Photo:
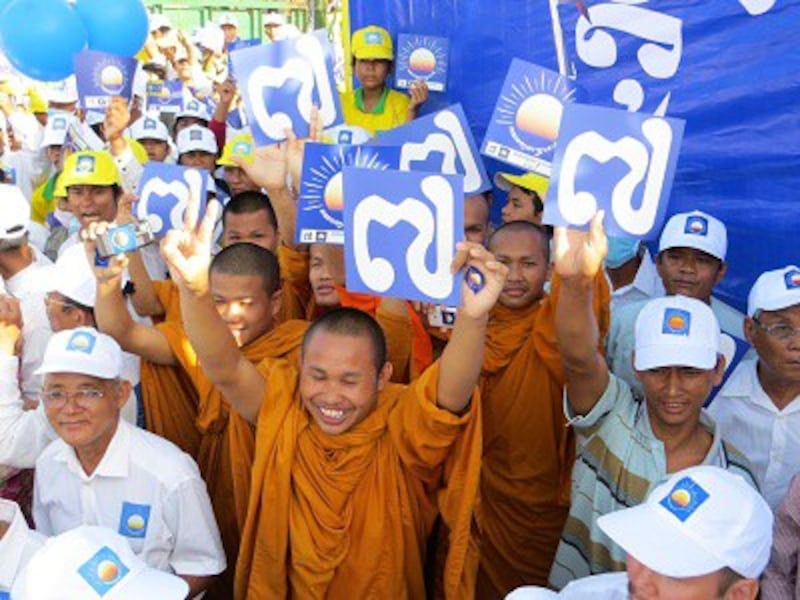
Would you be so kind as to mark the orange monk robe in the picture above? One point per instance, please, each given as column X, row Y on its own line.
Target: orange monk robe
column 348, row 516
column 528, row 450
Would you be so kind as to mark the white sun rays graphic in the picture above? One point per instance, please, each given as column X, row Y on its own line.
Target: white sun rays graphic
column 532, row 110
column 109, row 76
column 425, row 56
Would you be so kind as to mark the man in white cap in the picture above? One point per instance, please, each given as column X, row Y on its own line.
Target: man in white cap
column 704, row 533
column 103, row 471
column 193, row 112
column 759, row 406
column 276, row 28
column 94, row 562
column 160, row 25
column 17, row 544
column 230, row 27
column 197, row 147
column 690, row 262
column 625, row 445
column 153, row 135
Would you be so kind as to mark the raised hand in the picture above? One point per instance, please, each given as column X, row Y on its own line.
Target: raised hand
column 296, row 147
column 418, row 90
column 478, row 304
column 117, row 119
column 187, row 251
column 10, row 325
column 579, row 254
column 111, row 273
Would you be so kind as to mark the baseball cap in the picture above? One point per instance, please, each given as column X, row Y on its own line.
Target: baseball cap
column 532, row 182
column 774, row 290
column 347, row 134
column 62, row 92
column 240, row 145
column 15, row 217
column 676, row 331
column 158, row 20
column 197, row 137
column 697, row 230
column 89, row 167
column 72, row 277
column 372, row 43
column 212, row 38
column 94, row 117
column 149, row 128
column 37, row 103
column 93, row 562
column 704, row 518
column 55, row 132
column 194, row 108
column 83, row 350
column 227, row 19
column 273, row 18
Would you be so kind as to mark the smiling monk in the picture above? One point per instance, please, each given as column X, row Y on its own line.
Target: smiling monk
column 349, row 467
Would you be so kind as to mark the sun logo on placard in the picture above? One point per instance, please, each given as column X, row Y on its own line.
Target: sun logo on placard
column 109, row 77
column 323, row 191
column 425, row 57
column 532, row 111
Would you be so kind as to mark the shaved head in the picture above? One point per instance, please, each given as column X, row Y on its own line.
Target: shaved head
column 522, row 227
column 249, row 260
column 351, row 322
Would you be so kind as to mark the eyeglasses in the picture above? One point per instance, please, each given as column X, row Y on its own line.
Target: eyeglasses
column 781, row 331
column 57, row 399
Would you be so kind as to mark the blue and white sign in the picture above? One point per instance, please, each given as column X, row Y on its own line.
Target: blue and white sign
column 281, row 82
column 440, row 143
column 400, row 234
column 614, row 160
column 164, row 193
column 238, row 45
column 101, row 76
column 320, row 208
column 422, row 57
column 165, row 96
column 734, row 349
column 525, row 123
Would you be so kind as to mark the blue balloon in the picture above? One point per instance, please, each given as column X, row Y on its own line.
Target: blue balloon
column 114, row 26
column 39, row 37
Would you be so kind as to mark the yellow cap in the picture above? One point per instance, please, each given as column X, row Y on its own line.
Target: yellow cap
column 59, row 191
column 94, row 167
column 242, row 146
column 139, row 153
column 372, row 43
column 37, row 103
column 533, row 182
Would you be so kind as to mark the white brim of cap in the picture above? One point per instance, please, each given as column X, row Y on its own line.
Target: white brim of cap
column 82, row 367
column 655, row 356
column 777, row 302
column 646, row 534
column 151, row 583
column 196, row 147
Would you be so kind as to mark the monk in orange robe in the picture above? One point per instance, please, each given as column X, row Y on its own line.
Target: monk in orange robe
column 350, row 469
column 244, row 284
column 528, row 450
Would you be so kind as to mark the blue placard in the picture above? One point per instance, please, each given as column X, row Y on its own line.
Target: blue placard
column 164, row 192
column 422, row 57
column 440, row 143
column 524, row 126
column 734, row 350
column 101, row 76
column 281, row 82
column 238, row 45
column 165, row 96
column 320, row 215
column 401, row 232
column 614, row 160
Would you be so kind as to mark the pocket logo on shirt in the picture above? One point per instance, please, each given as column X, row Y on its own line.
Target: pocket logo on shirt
column 134, row 520
column 103, row 571
column 684, row 499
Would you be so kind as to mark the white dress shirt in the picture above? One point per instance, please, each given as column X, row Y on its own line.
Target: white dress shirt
column 645, row 286
column 16, row 546
column 144, row 488
column 768, row 437
column 608, row 586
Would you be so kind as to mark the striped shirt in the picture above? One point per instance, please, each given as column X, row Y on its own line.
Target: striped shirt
column 619, row 460
column 780, row 580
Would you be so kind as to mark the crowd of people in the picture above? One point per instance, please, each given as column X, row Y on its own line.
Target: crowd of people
column 218, row 416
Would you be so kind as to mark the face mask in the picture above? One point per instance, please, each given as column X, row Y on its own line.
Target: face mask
column 620, row 251
column 74, row 225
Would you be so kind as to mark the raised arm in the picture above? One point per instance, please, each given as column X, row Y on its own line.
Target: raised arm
column 578, row 258
column 463, row 356
column 187, row 252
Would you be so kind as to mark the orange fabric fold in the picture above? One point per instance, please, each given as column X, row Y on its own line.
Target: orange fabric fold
column 348, row 516
column 528, row 450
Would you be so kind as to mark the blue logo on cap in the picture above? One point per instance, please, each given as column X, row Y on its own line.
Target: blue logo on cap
column 373, row 37
column 134, row 519
column 676, row 321
column 193, row 105
column 11, row 176
column 149, row 124
column 792, row 279
column 59, row 124
column 684, row 499
column 81, row 341
column 103, row 571
column 345, row 137
column 696, row 225
column 195, row 135
column 85, row 165
column 241, row 149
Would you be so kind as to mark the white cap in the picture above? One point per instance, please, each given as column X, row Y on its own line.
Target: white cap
column 62, row 92
column 273, row 18
column 347, row 134
column 94, row 117
column 211, row 37
column 701, row 520
column 227, row 19
column 192, row 107
column 15, row 215
column 72, row 277
column 55, row 132
column 197, row 137
column 695, row 230
column 149, row 128
column 83, row 350
column 158, row 20
column 676, row 331
column 93, row 562
column 775, row 290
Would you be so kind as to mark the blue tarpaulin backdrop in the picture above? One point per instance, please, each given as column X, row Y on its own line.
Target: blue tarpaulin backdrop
column 730, row 68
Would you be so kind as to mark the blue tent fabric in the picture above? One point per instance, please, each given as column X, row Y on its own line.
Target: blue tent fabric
column 731, row 69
